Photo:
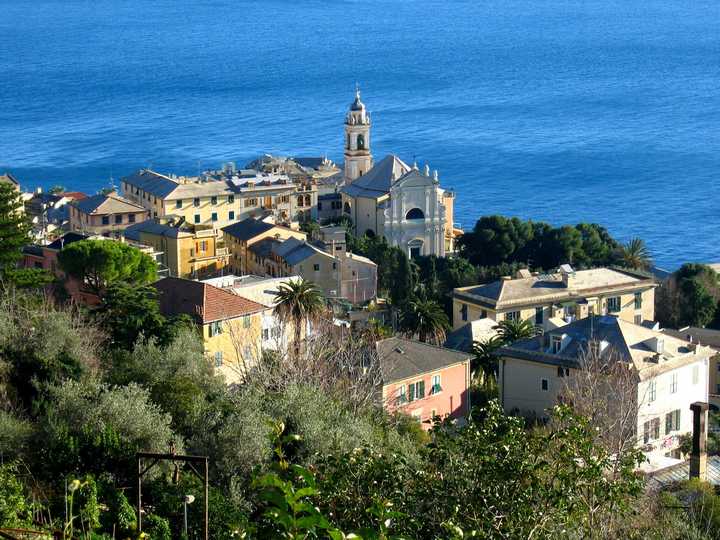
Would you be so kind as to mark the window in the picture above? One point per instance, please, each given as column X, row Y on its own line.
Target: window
column 334, row 266
column 674, row 383
column 231, row 215
column 651, row 430
column 638, row 300
column 218, row 359
column 178, row 203
column 613, row 304
column 118, row 219
column 415, row 252
column 316, row 267
column 638, row 319
column 196, row 202
column 695, row 374
column 538, row 315
column 544, row 385
column 416, row 390
column 672, row 421
column 250, row 202
column 246, row 321
column 300, row 200
column 106, row 220
column 435, row 387
column 231, row 199
column 285, row 199
column 556, row 344
column 652, row 391
column 512, row 316
column 131, row 218
column 201, row 246
column 213, row 200
column 215, row 328
column 319, row 206
column 483, row 314
column 197, row 218
column 401, row 395
column 265, row 334
column 214, row 216
column 464, row 312
column 415, row 213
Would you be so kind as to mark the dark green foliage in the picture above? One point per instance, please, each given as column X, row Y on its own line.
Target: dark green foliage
column 690, row 297
column 510, row 331
column 14, row 227
column 496, row 240
column 128, row 312
column 297, row 302
column 101, row 263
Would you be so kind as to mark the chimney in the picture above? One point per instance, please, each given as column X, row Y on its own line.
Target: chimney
column 698, row 456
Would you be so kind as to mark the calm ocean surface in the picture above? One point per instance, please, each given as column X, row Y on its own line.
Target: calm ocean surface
column 563, row 111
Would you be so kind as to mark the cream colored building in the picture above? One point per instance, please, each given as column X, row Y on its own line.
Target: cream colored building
column 231, row 326
column 670, row 374
column 218, row 202
column 187, row 250
column 551, row 300
column 404, row 204
column 106, row 215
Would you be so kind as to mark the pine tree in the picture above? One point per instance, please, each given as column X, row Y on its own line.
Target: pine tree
column 14, row 228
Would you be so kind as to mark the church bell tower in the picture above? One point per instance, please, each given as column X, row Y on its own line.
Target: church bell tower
column 358, row 159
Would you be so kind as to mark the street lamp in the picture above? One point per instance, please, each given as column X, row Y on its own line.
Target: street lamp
column 189, row 499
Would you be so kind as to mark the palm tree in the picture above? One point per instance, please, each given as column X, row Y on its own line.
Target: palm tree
column 635, row 255
column 426, row 319
column 510, row 331
column 298, row 301
column 486, row 356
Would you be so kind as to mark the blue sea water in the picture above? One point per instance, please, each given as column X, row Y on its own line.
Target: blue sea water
column 562, row 111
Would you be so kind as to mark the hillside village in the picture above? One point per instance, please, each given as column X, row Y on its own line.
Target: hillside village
column 354, row 276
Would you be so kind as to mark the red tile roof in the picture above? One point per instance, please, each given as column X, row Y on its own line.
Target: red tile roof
column 75, row 195
column 201, row 301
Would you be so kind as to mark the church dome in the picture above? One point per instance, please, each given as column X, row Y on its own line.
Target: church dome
column 357, row 105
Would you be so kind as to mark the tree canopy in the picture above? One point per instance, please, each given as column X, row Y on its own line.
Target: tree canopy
column 101, row 263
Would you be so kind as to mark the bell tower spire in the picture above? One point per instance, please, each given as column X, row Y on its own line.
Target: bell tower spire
column 358, row 159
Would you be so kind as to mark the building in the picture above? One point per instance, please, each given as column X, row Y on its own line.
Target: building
column 424, row 381
column 710, row 338
column 186, row 250
column 550, row 300
column 7, row 178
column 343, row 275
column 218, row 198
column 49, row 213
column 105, row 215
column 405, row 205
column 231, row 326
column 670, row 374
column 276, row 334
column 239, row 237
column 329, row 207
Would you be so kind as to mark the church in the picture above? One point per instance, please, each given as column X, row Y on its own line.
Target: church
column 392, row 199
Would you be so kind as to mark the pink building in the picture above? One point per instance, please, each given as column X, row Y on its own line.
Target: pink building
column 424, row 381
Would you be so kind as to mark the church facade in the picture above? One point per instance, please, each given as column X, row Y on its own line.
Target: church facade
column 392, row 199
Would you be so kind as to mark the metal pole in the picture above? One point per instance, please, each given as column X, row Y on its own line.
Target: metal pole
column 185, row 516
column 139, row 495
column 207, row 493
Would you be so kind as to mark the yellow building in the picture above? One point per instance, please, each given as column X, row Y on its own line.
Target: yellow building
column 216, row 202
column 239, row 237
column 550, row 300
column 231, row 326
column 187, row 250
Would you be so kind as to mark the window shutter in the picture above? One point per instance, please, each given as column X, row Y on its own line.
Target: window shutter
column 668, row 423
column 411, row 391
column 421, row 389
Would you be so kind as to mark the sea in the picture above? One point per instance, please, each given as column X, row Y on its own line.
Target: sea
column 563, row 111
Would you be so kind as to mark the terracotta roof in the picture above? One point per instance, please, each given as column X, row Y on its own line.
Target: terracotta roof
column 75, row 195
column 201, row 301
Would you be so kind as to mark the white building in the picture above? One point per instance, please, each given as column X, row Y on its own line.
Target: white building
column 404, row 204
column 671, row 374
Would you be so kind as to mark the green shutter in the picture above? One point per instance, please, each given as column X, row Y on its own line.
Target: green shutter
column 411, row 392
column 668, row 423
column 421, row 389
